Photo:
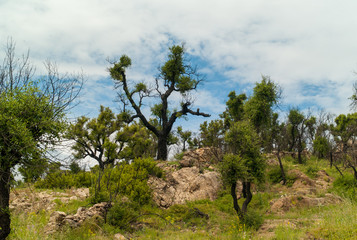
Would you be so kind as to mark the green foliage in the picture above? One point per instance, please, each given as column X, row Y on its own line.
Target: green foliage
column 244, row 141
column 138, row 140
column 63, row 179
column 121, row 214
column 93, row 137
column 125, row 179
column 26, row 116
column 234, row 111
column 212, row 134
column 32, row 171
column 74, row 167
column 258, row 108
column 321, row 146
column 346, row 186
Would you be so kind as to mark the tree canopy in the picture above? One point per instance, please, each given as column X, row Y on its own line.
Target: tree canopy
column 177, row 75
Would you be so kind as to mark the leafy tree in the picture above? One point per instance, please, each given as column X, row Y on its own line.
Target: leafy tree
column 244, row 163
column 175, row 76
column 94, row 137
column 212, row 134
column 27, row 119
column 234, row 111
column 299, row 125
column 185, row 137
column 31, row 118
column 258, row 108
column 138, row 141
column 32, row 171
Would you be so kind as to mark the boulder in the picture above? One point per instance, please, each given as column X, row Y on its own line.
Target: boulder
column 186, row 184
column 202, row 157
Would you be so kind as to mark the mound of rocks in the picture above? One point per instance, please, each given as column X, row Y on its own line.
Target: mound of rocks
column 202, row 157
column 32, row 201
column 59, row 219
column 186, row 184
column 304, row 193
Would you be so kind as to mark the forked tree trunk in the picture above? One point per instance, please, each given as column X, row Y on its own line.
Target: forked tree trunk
column 248, row 196
column 235, row 201
column 4, row 203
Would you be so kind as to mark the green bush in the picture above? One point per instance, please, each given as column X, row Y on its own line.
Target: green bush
column 311, row 171
column 65, row 179
column 253, row 219
column 125, row 179
column 122, row 214
column 346, row 187
column 274, row 174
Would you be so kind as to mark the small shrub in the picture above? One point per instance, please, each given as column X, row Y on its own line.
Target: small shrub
column 274, row 174
column 122, row 214
column 253, row 219
column 345, row 186
column 311, row 171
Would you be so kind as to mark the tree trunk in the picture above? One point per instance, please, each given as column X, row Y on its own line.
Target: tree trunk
column 331, row 160
column 162, row 148
column 281, row 167
column 235, row 201
column 248, row 196
column 4, row 203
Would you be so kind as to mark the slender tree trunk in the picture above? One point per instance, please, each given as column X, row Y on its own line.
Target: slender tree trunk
column 235, row 201
column 281, row 166
column 162, row 148
column 299, row 151
column 4, row 202
column 248, row 196
column 331, row 160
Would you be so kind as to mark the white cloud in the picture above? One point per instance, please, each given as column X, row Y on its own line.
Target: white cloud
column 295, row 42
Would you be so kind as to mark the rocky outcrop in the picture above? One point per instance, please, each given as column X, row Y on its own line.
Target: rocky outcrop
column 32, row 201
column 186, row 184
column 202, row 157
column 305, row 193
column 59, row 219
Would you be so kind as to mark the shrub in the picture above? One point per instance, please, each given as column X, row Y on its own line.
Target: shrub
column 125, row 179
column 345, row 186
column 122, row 214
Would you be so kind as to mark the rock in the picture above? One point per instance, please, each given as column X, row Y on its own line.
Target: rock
column 186, row 184
column 119, row 236
column 202, row 157
column 58, row 219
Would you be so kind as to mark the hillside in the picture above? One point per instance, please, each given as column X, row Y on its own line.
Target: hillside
column 314, row 204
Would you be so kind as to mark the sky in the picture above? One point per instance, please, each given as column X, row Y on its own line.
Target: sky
column 307, row 47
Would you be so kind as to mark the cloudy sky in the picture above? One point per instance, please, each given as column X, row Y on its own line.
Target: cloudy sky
column 308, row 47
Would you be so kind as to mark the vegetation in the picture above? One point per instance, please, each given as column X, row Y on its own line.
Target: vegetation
column 266, row 159
column 176, row 75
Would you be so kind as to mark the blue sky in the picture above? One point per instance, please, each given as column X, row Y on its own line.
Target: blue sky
column 307, row 47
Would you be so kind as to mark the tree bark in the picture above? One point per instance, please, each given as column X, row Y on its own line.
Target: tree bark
column 4, row 202
column 248, row 196
column 162, row 148
column 281, row 166
column 235, row 201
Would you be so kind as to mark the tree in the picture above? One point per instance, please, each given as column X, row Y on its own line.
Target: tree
column 259, row 109
column 94, row 137
column 175, row 76
column 299, row 124
column 212, row 134
column 243, row 163
column 277, row 136
column 32, row 117
column 185, row 137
